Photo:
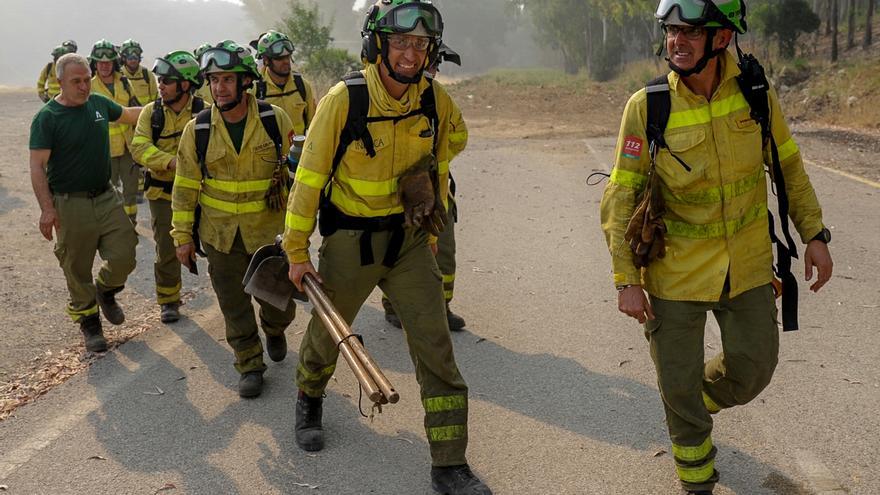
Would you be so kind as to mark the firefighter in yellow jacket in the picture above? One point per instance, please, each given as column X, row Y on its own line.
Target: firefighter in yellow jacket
column 205, row 91
column 370, row 225
column 143, row 82
column 709, row 172
column 155, row 146
column 280, row 85
column 232, row 180
column 109, row 81
column 47, row 84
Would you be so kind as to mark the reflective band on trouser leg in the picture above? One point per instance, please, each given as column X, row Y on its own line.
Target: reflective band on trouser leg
column 446, row 418
column 448, row 286
column 313, row 382
column 711, row 406
column 695, row 464
column 166, row 295
column 77, row 315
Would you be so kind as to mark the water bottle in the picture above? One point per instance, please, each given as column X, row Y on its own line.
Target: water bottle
column 294, row 155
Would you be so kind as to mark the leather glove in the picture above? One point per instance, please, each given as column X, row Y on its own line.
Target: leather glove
column 416, row 191
column 276, row 197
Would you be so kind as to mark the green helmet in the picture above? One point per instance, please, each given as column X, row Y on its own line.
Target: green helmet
column 103, row 51
column 58, row 51
column 228, row 56
column 709, row 13
column 179, row 65
column 131, row 47
column 70, row 46
column 273, row 44
column 201, row 49
column 417, row 17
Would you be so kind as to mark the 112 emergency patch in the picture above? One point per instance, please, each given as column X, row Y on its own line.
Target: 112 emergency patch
column 632, row 147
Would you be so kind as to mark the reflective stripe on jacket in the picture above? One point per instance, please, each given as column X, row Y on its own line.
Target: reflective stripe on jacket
column 716, row 213
column 233, row 197
column 364, row 186
column 120, row 134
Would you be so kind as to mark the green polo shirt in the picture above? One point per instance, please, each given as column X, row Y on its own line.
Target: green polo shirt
column 79, row 139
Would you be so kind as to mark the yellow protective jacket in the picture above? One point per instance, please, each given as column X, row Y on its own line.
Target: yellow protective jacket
column 120, row 134
column 300, row 108
column 47, row 84
column 143, row 84
column 233, row 196
column 205, row 93
column 157, row 156
column 364, row 186
column 716, row 213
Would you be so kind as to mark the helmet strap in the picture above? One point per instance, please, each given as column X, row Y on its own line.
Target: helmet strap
column 239, row 94
column 178, row 95
column 708, row 54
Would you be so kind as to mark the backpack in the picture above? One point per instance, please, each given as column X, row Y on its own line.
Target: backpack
column 203, row 132
column 262, row 88
column 755, row 88
column 157, row 118
column 132, row 99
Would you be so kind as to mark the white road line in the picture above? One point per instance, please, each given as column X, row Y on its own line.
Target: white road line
column 820, row 477
column 844, row 174
column 62, row 423
column 596, row 155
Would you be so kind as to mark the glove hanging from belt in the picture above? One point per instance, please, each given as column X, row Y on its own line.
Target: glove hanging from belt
column 646, row 229
column 276, row 195
column 419, row 189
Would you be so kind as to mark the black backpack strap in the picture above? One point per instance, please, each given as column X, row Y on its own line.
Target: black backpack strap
column 260, row 89
column 157, row 119
column 755, row 88
column 203, row 136
column 132, row 99
column 198, row 105
column 356, row 123
column 301, row 87
column 428, row 107
column 145, row 74
column 659, row 107
column 49, row 69
column 270, row 124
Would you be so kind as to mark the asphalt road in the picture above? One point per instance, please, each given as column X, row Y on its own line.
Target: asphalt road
column 562, row 390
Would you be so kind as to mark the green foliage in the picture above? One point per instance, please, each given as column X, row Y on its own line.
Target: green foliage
column 784, row 20
column 312, row 40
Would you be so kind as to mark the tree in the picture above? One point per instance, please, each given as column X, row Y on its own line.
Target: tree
column 834, row 14
column 869, row 18
column 785, row 20
column 851, row 25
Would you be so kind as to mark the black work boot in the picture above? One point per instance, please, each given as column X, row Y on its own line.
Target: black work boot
column 456, row 323
column 90, row 326
column 276, row 347
column 457, row 480
column 170, row 312
column 111, row 309
column 250, row 384
column 390, row 315
column 309, row 432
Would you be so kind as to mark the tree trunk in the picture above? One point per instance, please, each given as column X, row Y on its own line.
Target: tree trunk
column 828, row 15
column 851, row 25
column 869, row 19
column 834, row 30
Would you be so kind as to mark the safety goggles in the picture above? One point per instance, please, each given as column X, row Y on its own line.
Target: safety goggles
column 104, row 54
column 402, row 42
column 220, row 58
column 280, row 48
column 691, row 11
column 163, row 68
column 405, row 18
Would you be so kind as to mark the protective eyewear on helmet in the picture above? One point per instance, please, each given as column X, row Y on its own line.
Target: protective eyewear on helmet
column 280, row 48
column 691, row 11
column 163, row 68
column 402, row 42
column 406, row 17
column 104, row 53
column 220, row 58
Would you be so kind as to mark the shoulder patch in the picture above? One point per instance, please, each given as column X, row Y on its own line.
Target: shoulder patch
column 632, row 147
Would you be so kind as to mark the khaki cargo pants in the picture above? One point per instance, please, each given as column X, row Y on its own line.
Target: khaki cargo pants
column 92, row 225
column 124, row 173
column 415, row 288
column 166, row 267
column 691, row 389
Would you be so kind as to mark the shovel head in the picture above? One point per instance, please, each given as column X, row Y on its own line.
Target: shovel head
column 269, row 281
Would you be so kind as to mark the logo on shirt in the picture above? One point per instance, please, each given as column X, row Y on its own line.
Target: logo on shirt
column 98, row 116
column 632, row 147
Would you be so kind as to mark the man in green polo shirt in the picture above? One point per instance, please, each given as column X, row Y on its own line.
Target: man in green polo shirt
column 70, row 173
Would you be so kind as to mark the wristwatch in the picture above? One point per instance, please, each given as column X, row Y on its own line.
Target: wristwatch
column 824, row 235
